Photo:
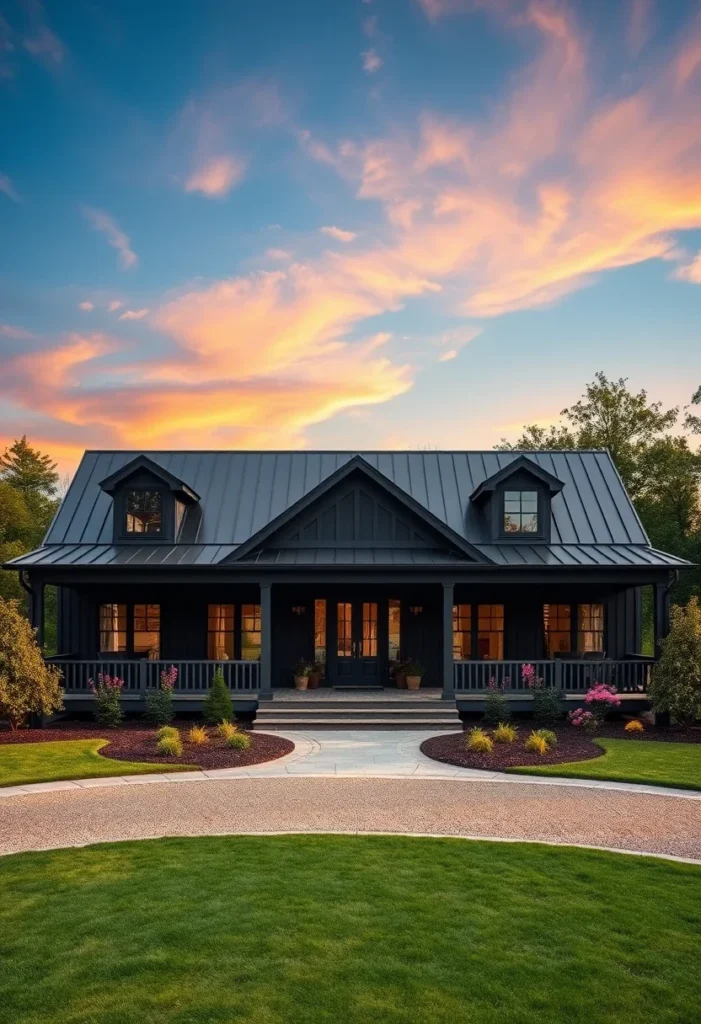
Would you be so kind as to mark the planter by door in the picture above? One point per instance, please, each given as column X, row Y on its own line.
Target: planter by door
column 400, row 680
column 301, row 682
column 413, row 682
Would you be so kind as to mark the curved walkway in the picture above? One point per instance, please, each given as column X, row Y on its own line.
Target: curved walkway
column 353, row 782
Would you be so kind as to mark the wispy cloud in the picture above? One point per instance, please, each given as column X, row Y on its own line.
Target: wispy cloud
column 134, row 314
column 277, row 255
column 86, row 306
column 371, row 61
column 114, row 305
column 15, row 333
column 690, row 271
column 106, row 224
column 338, row 234
column 8, row 188
column 217, row 177
column 40, row 41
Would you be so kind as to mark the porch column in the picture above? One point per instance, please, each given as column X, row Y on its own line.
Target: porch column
column 661, row 614
column 37, row 610
column 448, row 668
column 266, row 643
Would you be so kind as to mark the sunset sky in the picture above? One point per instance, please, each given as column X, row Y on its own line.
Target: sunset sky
column 342, row 223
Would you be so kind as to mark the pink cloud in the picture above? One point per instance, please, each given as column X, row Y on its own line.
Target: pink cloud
column 134, row 314
column 103, row 222
column 217, row 177
column 691, row 271
column 86, row 306
column 371, row 61
column 114, row 305
column 338, row 234
column 277, row 255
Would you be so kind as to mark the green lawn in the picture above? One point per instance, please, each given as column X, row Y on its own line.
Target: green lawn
column 656, row 764
column 346, row 930
column 21, row 763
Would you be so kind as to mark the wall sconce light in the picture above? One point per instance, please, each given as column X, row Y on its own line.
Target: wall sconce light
column 298, row 609
column 415, row 609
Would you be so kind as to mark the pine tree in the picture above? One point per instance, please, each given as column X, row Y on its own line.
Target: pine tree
column 217, row 706
column 28, row 470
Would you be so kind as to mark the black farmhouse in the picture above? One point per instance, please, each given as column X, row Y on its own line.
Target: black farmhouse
column 470, row 563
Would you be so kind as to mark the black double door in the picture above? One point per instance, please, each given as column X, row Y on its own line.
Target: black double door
column 359, row 660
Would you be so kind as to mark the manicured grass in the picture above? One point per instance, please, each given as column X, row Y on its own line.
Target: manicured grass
column 311, row 929
column 655, row 764
column 21, row 763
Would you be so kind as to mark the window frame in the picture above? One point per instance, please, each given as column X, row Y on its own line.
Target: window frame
column 575, row 651
column 475, row 630
column 128, row 654
column 167, row 533
column 521, row 483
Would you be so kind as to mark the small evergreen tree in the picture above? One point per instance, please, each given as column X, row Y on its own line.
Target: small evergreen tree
column 217, row 705
column 27, row 684
column 547, row 706
column 496, row 706
column 676, row 679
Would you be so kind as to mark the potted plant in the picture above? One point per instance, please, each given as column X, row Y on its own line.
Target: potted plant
column 413, row 671
column 301, row 673
column 399, row 674
column 316, row 674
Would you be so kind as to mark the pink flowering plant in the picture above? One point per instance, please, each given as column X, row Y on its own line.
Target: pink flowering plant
column 583, row 720
column 159, row 702
column 600, row 699
column 108, row 707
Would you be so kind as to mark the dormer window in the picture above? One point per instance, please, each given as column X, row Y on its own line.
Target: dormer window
column 144, row 512
column 520, row 512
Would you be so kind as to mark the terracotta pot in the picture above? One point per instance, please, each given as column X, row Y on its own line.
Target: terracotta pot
column 301, row 682
column 413, row 682
column 400, row 680
column 314, row 680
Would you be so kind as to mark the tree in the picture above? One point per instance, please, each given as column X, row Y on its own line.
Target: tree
column 28, row 470
column 676, row 680
column 27, row 684
column 217, row 706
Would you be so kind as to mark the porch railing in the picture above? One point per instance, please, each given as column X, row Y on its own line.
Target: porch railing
column 194, row 677
column 630, row 676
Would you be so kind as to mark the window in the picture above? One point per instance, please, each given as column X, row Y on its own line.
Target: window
column 590, row 627
column 462, row 632
column 557, row 622
column 394, row 627
column 113, row 628
column 520, row 512
column 147, row 629
column 320, row 632
column 250, row 632
column 144, row 512
column 369, row 629
column 220, row 632
column 490, row 631
column 343, row 629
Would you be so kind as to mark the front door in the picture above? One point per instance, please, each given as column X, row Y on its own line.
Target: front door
column 357, row 662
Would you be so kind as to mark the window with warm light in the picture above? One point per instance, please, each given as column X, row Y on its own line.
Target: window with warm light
column 590, row 628
column 320, row 631
column 557, row 624
column 147, row 629
column 144, row 512
column 113, row 628
column 394, row 631
column 250, row 632
column 462, row 632
column 490, row 632
column 369, row 646
column 220, row 632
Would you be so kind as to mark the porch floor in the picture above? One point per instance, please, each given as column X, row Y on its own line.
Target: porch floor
column 327, row 693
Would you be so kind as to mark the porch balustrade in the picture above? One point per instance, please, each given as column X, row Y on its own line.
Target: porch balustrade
column 572, row 677
column 194, row 677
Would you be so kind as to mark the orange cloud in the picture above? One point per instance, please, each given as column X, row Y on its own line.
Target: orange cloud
column 217, row 176
column 338, row 234
column 690, row 271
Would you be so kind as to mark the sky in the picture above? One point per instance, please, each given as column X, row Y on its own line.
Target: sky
column 342, row 223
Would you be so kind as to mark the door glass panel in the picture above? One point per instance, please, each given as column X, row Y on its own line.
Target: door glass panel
column 369, row 629
column 113, row 628
column 394, row 615
column 490, row 632
column 250, row 632
column 320, row 631
column 462, row 632
column 557, row 622
column 147, row 629
column 344, row 619
column 590, row 627
column 220, row 632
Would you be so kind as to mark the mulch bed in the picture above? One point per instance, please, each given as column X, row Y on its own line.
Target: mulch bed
column 137, row 742
column 572, row 745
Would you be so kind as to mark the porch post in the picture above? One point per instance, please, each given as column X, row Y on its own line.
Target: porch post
column 448, row 667
column 266, row 643
column 661, row 615
column 37, row 610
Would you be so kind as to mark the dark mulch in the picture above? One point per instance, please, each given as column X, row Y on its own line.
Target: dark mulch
column 572, row 745
column 137, row 742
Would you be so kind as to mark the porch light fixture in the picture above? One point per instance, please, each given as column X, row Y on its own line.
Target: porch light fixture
column 298, row 609
column 416, row 609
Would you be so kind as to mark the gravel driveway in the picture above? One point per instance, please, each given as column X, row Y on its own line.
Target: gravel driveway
column 600, row 817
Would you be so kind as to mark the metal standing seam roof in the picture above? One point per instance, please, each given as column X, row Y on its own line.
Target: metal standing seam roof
column 593, row 520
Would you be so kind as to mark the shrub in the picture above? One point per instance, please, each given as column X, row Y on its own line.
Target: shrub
column 108, row 706
column 496, row 706
column 676, row 679
column 548, row 735
column 479, row 742
column 583, row 719
column 172, row 746
column 167, row 730
column 547, row 705
column 227, row 730
column 239, row 741
column 27, row 684
column 217, row 705
column 505, row 733
column 536, row 744
column 602, row 698
column 159, row 703
column 198, row 735
column 635, row 725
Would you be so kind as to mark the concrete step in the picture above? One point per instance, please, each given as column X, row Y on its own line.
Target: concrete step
column 316, row 705
column 342, row 724
column 360, row 716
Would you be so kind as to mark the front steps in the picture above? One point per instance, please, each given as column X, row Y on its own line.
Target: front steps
column 351, row 713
